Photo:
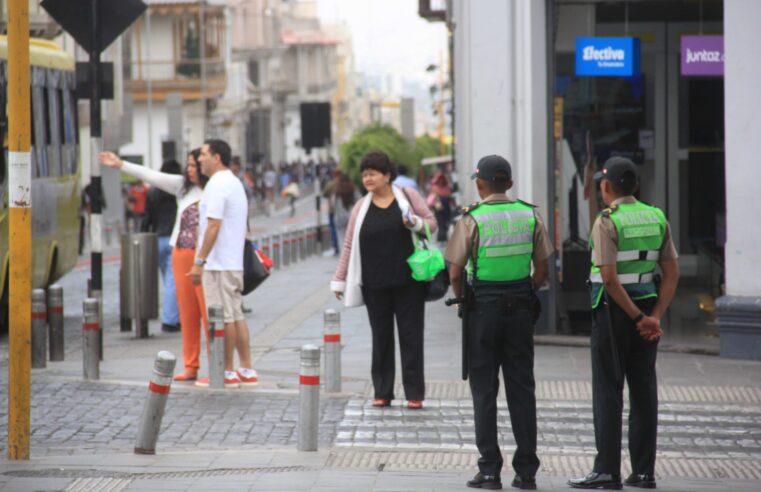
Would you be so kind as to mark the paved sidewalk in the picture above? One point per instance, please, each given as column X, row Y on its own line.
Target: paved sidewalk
column 83, row 432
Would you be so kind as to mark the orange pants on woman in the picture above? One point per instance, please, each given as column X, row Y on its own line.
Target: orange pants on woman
column 192, row 306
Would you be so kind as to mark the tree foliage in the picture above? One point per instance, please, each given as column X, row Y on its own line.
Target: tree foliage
column 376, row 137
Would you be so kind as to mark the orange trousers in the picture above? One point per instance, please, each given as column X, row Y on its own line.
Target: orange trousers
column 192, row 306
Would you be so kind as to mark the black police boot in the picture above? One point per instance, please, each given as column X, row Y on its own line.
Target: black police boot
column 641, row 481
column 489, row 482
column 596, row 480
column 524, row 483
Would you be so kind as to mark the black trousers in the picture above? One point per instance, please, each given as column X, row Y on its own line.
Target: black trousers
column 495, row 340
column 407, row 304
column 637, row 360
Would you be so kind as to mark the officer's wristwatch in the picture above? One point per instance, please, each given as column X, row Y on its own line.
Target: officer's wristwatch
column 200, row 262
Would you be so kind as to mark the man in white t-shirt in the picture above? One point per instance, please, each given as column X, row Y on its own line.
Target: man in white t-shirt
column 223, row 214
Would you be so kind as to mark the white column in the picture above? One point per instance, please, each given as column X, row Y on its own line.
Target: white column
column 739, row 312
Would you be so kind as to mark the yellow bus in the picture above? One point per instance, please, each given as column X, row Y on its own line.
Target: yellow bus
column 55, row 167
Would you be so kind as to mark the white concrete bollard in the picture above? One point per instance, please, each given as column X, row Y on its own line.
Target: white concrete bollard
column 39, row 330
column 216, row 347
column 309, row 398
column 90, row 334
column 155, row 404
column 55, row 319
column 332, row 342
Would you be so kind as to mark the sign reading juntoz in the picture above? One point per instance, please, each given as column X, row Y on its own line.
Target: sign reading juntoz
column 607, row 56
column 702, row 55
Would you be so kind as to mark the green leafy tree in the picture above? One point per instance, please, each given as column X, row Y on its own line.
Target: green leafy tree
column 376, row 137
column 428, row 146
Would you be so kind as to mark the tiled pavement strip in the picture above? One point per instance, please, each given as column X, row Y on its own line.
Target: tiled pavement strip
column 83, row 433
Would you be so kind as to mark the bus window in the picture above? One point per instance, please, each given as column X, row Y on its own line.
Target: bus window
column 54, row 124
column 40, row 124
column 3, row 130
column 70, row 128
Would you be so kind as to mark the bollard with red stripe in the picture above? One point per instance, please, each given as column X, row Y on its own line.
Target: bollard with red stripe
column 303, row 244
column 55, row 321
column 90, row 339
column 276, row 258
column 309, row 397
column 285, row 250
column 216, row 347
column 39, row 330
column 153, row 411
column 332, row 343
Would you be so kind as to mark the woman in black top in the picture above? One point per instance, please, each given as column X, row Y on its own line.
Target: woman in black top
column 384, row 219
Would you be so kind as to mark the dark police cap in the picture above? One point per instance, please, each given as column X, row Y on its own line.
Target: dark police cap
column 493, row 168
column 619, row 170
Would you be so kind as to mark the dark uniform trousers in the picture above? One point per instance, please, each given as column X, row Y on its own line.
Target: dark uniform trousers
column 637, row 360
column 407, row 303
column 499, row 339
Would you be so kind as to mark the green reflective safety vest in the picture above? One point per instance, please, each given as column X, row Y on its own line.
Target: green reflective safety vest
column 505, row 241
column 641, row 229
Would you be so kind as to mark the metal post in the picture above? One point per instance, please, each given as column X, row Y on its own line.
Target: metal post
column 309, row 397
column 141, row 325
column 39, row 330
column 332, row 341
column 216, row 347
column 277, row 251
column 302, row 244
column 19, row 200
column 266, row 241
column 318, row 207
column 90, row 328
column 55, row 319
column 294, row 246
column 153, row 411
column 286, row 249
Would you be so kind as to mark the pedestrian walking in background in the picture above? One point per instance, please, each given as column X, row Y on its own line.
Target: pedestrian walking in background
column 85, row 210
column 291, row 191
column 160, row 214
column 343, row 198
column 404, row 181
column 328, row 192
column 439, row 200
column 219, row 258
column 628, row 240
column 373, row 271
column 190, row 298
column 137, row 194
column 501, row 239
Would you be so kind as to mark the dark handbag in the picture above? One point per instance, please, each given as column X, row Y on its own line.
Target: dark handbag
column 254, row 272
column 437, row 288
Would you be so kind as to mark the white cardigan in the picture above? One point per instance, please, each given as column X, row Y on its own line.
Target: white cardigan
column 171, row 183
column 352, row 286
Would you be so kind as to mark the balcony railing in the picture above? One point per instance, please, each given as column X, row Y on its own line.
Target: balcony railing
column 195, row 78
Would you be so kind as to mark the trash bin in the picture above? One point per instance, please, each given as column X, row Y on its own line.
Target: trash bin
column 139, row 284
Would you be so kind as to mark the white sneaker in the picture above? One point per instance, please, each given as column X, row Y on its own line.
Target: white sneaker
column 247, row 377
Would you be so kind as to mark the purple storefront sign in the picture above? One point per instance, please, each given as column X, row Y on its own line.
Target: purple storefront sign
column 702, row 55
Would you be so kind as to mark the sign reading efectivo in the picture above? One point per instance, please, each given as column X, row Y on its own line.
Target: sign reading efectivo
column 599, row 57
column 702, row 55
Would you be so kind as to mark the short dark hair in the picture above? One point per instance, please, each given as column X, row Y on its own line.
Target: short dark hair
column 220, row 148
column 378, row 161
column 401, row 169
column 627, row 186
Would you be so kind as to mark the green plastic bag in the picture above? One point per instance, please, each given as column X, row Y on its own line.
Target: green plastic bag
column 426, row 261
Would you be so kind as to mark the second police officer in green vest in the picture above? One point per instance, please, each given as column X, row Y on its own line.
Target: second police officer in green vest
column 498, row 240
column 628, row 240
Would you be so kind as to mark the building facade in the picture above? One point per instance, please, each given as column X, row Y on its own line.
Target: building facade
column 519, row 92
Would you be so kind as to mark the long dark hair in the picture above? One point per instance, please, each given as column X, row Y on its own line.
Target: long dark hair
column 195, row 154
column 345, row 191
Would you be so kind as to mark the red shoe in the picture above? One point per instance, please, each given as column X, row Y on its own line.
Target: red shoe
column 415, row 404
column 380, row 402
column 248, row 377
column 230, row 382
column 185, row 377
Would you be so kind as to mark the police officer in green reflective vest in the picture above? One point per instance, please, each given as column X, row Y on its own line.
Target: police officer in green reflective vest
column 499, row 240
column 629, row 240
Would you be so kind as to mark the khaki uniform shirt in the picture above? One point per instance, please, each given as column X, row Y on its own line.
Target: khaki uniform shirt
column 464, row 241
column 605, row 239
